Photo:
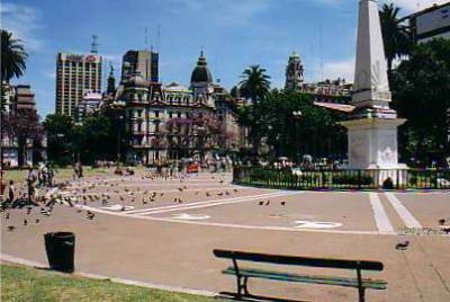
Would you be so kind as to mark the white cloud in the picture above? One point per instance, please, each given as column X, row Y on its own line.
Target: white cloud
column 22, row 21
column 335, row 69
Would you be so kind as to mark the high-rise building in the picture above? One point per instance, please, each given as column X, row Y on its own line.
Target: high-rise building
column 76, row 74
column 294, row 73
column 143, row 62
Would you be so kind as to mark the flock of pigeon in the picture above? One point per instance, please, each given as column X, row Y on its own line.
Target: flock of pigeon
column 85, row 192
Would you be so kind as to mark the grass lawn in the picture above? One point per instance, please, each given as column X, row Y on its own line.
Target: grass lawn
column 29, row 284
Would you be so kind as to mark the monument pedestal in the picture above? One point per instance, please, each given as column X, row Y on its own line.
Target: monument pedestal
column 372, row 145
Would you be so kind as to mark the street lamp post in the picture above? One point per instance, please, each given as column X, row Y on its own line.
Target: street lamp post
column 119, row 105
column 297, row 115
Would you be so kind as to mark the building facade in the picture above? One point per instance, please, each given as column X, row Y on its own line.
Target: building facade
column 90, row 102
column 142, row 62
column 173, row 121
column 76, row 74
column 430, row 23
column 332, row 91
column 294, row 73
column 20, row 101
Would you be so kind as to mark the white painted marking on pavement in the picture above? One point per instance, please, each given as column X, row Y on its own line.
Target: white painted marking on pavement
column 381, row 219
column 234, row 226
column 204, row 204
column 402, row 211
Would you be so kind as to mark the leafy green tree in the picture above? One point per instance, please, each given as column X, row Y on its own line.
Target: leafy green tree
column 421, row 87
column 99, row 141
column 61, row 134
column 296, row 126
column 13, row 57
column 396, row 37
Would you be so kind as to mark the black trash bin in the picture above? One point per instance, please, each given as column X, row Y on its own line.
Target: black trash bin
column 60, row 247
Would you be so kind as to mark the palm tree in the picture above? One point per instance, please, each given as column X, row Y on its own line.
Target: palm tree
column 13, row 57
column 255, row 84
column 396, row 37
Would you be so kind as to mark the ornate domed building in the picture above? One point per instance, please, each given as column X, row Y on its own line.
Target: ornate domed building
column 202, row 80
column 173, row 121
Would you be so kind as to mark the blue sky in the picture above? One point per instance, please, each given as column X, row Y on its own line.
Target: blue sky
column 233, row 33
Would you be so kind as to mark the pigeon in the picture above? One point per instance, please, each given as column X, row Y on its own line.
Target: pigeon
column 90, row 215
column 180, row 189
column 28, row 210
column 207, row 194
column 175, row 199
column 11, row 228
column 268, row 202
column 179, row 200
column 25, row 222
column 261, row 203
column 219, row 194
column 235, row 190
column 7, row 216
column 442, row 221
column 402, row 245
column 162, row 194
column 221, row 181
column 283, row 203
column 37, row 220
column 228, row 193
column 185, row 187
column 446, row 229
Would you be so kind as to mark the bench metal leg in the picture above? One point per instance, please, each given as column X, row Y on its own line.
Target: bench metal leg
column 242, row 286
column 360, row 284
column 245, row 286
column 239, row 288
column 362, row 294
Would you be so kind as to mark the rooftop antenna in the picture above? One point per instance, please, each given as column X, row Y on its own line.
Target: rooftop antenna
column 158, row 39
column 321, row 50
column 94, row 44
column 146, row 38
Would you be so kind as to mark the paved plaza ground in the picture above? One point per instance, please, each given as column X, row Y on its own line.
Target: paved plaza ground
column 163, row 240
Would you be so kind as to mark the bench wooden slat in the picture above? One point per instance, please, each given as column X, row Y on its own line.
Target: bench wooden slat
column 303, row 261
column 273, row 275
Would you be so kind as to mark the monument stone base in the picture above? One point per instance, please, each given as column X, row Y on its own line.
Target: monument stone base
column 372, row 146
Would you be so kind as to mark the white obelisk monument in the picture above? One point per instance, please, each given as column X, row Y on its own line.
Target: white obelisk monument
column 372, row 127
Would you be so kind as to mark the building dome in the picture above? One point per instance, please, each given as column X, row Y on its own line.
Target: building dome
column 201, row 72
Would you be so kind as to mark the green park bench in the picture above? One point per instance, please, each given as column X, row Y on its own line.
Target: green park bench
column 244, row 273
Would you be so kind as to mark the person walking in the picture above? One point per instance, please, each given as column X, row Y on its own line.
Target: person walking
column 31, row 179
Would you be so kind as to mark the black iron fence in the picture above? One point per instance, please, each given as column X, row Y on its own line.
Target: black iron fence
column 342, row 179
